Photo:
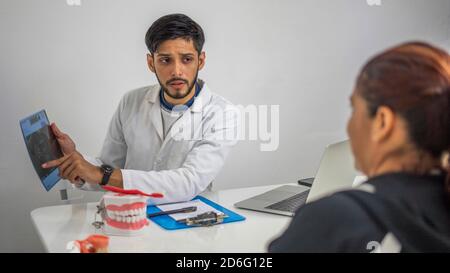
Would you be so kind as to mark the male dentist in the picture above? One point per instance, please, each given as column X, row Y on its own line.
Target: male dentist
column 172, row 137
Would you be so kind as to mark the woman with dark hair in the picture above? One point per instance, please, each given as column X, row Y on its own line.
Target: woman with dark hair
column 400, row 137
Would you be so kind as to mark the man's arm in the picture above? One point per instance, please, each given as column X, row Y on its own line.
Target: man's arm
column 114, row 148
column 200, row 168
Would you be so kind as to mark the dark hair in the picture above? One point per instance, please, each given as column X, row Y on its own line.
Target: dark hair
column 413, row 80
column 171, row 27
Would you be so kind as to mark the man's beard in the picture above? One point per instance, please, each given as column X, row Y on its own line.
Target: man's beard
column 190, row 87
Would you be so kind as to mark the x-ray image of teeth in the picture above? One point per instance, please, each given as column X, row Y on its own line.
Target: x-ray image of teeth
column 43, row 147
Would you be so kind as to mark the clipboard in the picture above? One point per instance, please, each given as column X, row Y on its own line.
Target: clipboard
column 168, row 223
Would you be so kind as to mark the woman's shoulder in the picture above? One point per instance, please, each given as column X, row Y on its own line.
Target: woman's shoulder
column 335, row 207
column 335, row 223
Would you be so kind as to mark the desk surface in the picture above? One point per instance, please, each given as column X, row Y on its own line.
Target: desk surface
column 58, row 225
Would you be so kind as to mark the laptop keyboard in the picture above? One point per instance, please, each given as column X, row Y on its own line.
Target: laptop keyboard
column 291, row 204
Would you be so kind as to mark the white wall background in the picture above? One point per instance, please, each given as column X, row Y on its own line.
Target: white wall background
column 77, row 62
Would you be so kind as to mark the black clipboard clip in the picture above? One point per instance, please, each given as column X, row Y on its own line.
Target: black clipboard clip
column 204, row 220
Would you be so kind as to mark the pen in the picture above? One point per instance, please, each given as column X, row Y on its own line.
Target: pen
column 182, row 210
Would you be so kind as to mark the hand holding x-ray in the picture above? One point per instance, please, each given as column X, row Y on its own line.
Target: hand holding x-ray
column 66, row 164
column 64, row 140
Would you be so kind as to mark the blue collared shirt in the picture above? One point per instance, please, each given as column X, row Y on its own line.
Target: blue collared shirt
column 168, row 106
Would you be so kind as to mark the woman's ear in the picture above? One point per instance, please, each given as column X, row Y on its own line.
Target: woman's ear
column 383, row 124
column 150, row 62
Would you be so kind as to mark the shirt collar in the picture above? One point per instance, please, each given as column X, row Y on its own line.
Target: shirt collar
column 200, row 102
column 168, row 106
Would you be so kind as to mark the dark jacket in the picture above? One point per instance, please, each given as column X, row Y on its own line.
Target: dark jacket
column 402, row 213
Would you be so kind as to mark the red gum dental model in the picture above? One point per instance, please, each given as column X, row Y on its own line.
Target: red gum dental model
column 128, row 216
column 126, row 211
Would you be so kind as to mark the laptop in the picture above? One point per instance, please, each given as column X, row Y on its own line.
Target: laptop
column 336, row 172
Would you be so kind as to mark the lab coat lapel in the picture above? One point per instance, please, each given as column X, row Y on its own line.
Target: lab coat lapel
column 180, row 129
column 155, row 111
column 185, row 128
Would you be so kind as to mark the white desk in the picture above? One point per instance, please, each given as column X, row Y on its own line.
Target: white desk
column 58, row 225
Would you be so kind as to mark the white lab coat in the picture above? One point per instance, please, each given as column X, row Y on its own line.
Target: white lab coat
column 179, row 166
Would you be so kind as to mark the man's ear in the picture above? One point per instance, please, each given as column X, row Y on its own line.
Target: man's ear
column 150, row 63
column 201, row 60
column 383, row 124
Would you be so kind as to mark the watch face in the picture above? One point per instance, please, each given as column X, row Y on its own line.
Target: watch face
column 107, row 168
column 107, row 171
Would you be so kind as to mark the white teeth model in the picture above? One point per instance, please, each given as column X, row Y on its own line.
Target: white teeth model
column 128, row 216
column 127, row 211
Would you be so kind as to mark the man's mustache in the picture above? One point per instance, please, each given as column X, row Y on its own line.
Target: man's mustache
column 176, row 79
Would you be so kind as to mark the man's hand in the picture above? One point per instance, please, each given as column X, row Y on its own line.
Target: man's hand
column 74, row 167
column 64, row 140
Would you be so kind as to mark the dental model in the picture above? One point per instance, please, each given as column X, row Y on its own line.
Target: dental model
column 95, row 243
column 124, row 212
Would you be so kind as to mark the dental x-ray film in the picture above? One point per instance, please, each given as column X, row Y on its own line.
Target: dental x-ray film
column 42, row 146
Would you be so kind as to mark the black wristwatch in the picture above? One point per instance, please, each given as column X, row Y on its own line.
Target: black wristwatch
column 107, row 171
